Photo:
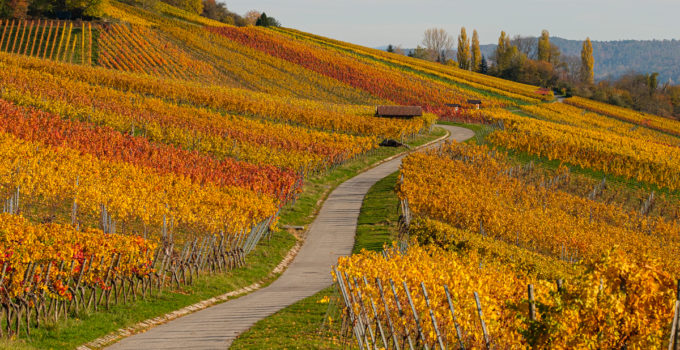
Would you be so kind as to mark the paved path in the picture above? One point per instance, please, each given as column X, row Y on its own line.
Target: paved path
column 330, row 236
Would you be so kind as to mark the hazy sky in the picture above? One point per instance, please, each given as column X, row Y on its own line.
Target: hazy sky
column 379, row 22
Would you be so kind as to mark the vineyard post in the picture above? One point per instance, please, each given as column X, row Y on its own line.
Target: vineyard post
column 434, row 321
column 481, row 320
column 219, row 254
column 407, row 334
column 532, row 304
column 47, row 40
column 348, row 303
column 35, row 37
column 42, row 296
column 455, row 320
column 68, row 41
column 73, row 50
column 4, row 307
column 164, row 269
column 673, row 341
column 375, row 314
column 199, row 255
column 76, row 287
column 359, row 322
column 61, row 40
column 28, row 37
column 16, row 36
column 5, row 24
column 113, row 278
column 677, row 318
column 362, row 312
column 187, row 251
column 387, row 313
column 82, row 43
column 203, row 257
column 421, row 336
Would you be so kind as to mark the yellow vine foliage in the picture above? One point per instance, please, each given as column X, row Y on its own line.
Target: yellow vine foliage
column 128, row 192
column 469, row 187
column 618, row 154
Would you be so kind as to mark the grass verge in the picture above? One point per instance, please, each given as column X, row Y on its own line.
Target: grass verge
column 89, row 326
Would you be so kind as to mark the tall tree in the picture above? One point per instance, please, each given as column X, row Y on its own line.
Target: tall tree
column 587, row 74
column 653, row 83
column 476, row 58
column 463, row 50
column 390, row 48
column 544, row 46
column 503, row 51
column 437, row 42
column 483, row 66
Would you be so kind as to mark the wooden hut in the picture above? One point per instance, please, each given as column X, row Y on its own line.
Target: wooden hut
column 477, row 103
column 404, row 112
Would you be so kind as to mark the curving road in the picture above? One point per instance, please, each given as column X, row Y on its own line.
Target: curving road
column 330, row 236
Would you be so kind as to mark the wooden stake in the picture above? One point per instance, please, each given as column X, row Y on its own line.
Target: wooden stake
column 434, row 321
column 421, row 336
column 453, row 315
column 532, row 304
column 481, row 320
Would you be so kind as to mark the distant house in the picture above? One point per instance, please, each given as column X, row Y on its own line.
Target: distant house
column 455, row 106
column 405, row 112
column 477, row 103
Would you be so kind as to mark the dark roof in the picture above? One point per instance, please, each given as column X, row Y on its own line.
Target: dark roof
column 399, row 111
column 474, row 102
column 453, row 105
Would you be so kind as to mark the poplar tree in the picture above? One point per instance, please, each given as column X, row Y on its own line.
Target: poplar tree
column 587, row 74
column 544, row 49
column 476, row 59
column 463, row 50
column 503, row 51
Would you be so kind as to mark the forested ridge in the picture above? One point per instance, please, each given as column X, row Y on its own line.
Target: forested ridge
column 616, row 58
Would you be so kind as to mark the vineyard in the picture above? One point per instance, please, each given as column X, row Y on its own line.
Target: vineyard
column 475, row 269
column 148, row 149
column 126, row 169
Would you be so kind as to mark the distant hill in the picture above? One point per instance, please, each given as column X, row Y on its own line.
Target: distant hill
column 615, row 58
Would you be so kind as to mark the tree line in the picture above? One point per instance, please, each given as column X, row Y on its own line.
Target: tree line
column 538, row 61
column 93, row 9
column 62, row 9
